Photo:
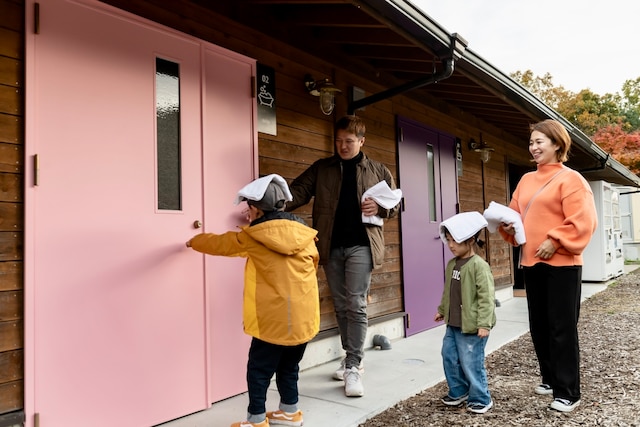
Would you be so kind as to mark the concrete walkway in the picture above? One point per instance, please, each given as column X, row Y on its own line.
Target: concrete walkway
column 412, row 365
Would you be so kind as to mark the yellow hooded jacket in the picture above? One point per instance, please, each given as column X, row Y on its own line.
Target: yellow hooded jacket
column 281, row 303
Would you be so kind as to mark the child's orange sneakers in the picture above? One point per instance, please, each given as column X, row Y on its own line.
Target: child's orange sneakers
column 264, row 423
column 285, row 418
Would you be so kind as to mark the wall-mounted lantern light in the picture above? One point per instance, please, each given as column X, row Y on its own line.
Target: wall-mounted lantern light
column 481, row 147
column 323, row 89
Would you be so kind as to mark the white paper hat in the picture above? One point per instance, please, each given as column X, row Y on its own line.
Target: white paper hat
column 462, row 226
column 256, row 190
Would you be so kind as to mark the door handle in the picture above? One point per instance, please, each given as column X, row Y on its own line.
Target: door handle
column 197, row 223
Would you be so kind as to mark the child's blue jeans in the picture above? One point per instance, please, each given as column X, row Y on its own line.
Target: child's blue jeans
column 463, row 361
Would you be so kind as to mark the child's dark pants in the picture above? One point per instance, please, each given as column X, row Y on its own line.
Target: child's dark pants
column 265, row 360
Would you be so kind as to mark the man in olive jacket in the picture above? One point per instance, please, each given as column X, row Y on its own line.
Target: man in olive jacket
column 349, row 249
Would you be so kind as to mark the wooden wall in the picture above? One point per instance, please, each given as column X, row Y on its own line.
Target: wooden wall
column 11, row 203
column 304, row 135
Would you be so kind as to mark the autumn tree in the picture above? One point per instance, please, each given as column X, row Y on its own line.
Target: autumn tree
column 590, row 111
column 542, row 87
column 611, row 120
column 585, row 109
column 622, row 146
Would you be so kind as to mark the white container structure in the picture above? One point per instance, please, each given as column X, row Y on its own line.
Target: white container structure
column 604, row 257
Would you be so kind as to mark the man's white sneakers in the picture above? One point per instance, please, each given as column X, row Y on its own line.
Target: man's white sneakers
column 353, row 383
column 339, row 373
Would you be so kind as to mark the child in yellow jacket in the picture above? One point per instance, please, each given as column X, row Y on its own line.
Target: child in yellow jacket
column 281, row 309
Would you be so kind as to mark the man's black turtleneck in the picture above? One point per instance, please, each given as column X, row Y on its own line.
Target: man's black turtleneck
column 348, row 229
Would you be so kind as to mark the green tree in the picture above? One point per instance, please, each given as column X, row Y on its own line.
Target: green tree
column 590, row 111
column 585, row 109
column 631, row 102
column 542, row 87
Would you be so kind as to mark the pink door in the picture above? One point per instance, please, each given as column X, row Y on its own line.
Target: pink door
column 228, row 166
column 119, row 329
column 429, row 187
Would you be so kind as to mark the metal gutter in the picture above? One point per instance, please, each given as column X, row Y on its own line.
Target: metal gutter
column 449, row 66
column 412, row 22
column 404, row 17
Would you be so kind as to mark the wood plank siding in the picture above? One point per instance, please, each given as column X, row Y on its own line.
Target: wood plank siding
column 305, row 135
column 11, row 204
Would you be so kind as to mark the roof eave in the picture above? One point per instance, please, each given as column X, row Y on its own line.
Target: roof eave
column 491, row 76
column 403, row 14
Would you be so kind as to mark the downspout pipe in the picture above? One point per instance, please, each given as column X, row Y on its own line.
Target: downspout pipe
column 380, row 96
column 456, row 49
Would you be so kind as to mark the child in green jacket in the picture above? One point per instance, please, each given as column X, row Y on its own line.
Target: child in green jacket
column 468, row 309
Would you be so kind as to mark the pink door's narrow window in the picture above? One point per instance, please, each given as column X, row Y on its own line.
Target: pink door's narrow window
column 168, row 135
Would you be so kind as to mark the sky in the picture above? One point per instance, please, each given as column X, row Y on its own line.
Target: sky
column 583, row 44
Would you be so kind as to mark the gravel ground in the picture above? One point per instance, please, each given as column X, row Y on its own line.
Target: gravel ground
column 610, row 363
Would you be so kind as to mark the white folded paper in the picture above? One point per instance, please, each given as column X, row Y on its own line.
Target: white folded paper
column 496, row 214
column 383, row 196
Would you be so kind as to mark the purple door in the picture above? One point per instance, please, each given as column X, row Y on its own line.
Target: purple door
column 429, row 185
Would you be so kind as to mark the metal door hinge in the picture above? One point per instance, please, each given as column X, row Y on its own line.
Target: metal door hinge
column 36, row 18
column 36, row 169
column 36, row 419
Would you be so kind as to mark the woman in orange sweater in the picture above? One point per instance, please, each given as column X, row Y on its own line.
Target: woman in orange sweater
column 559, row 217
